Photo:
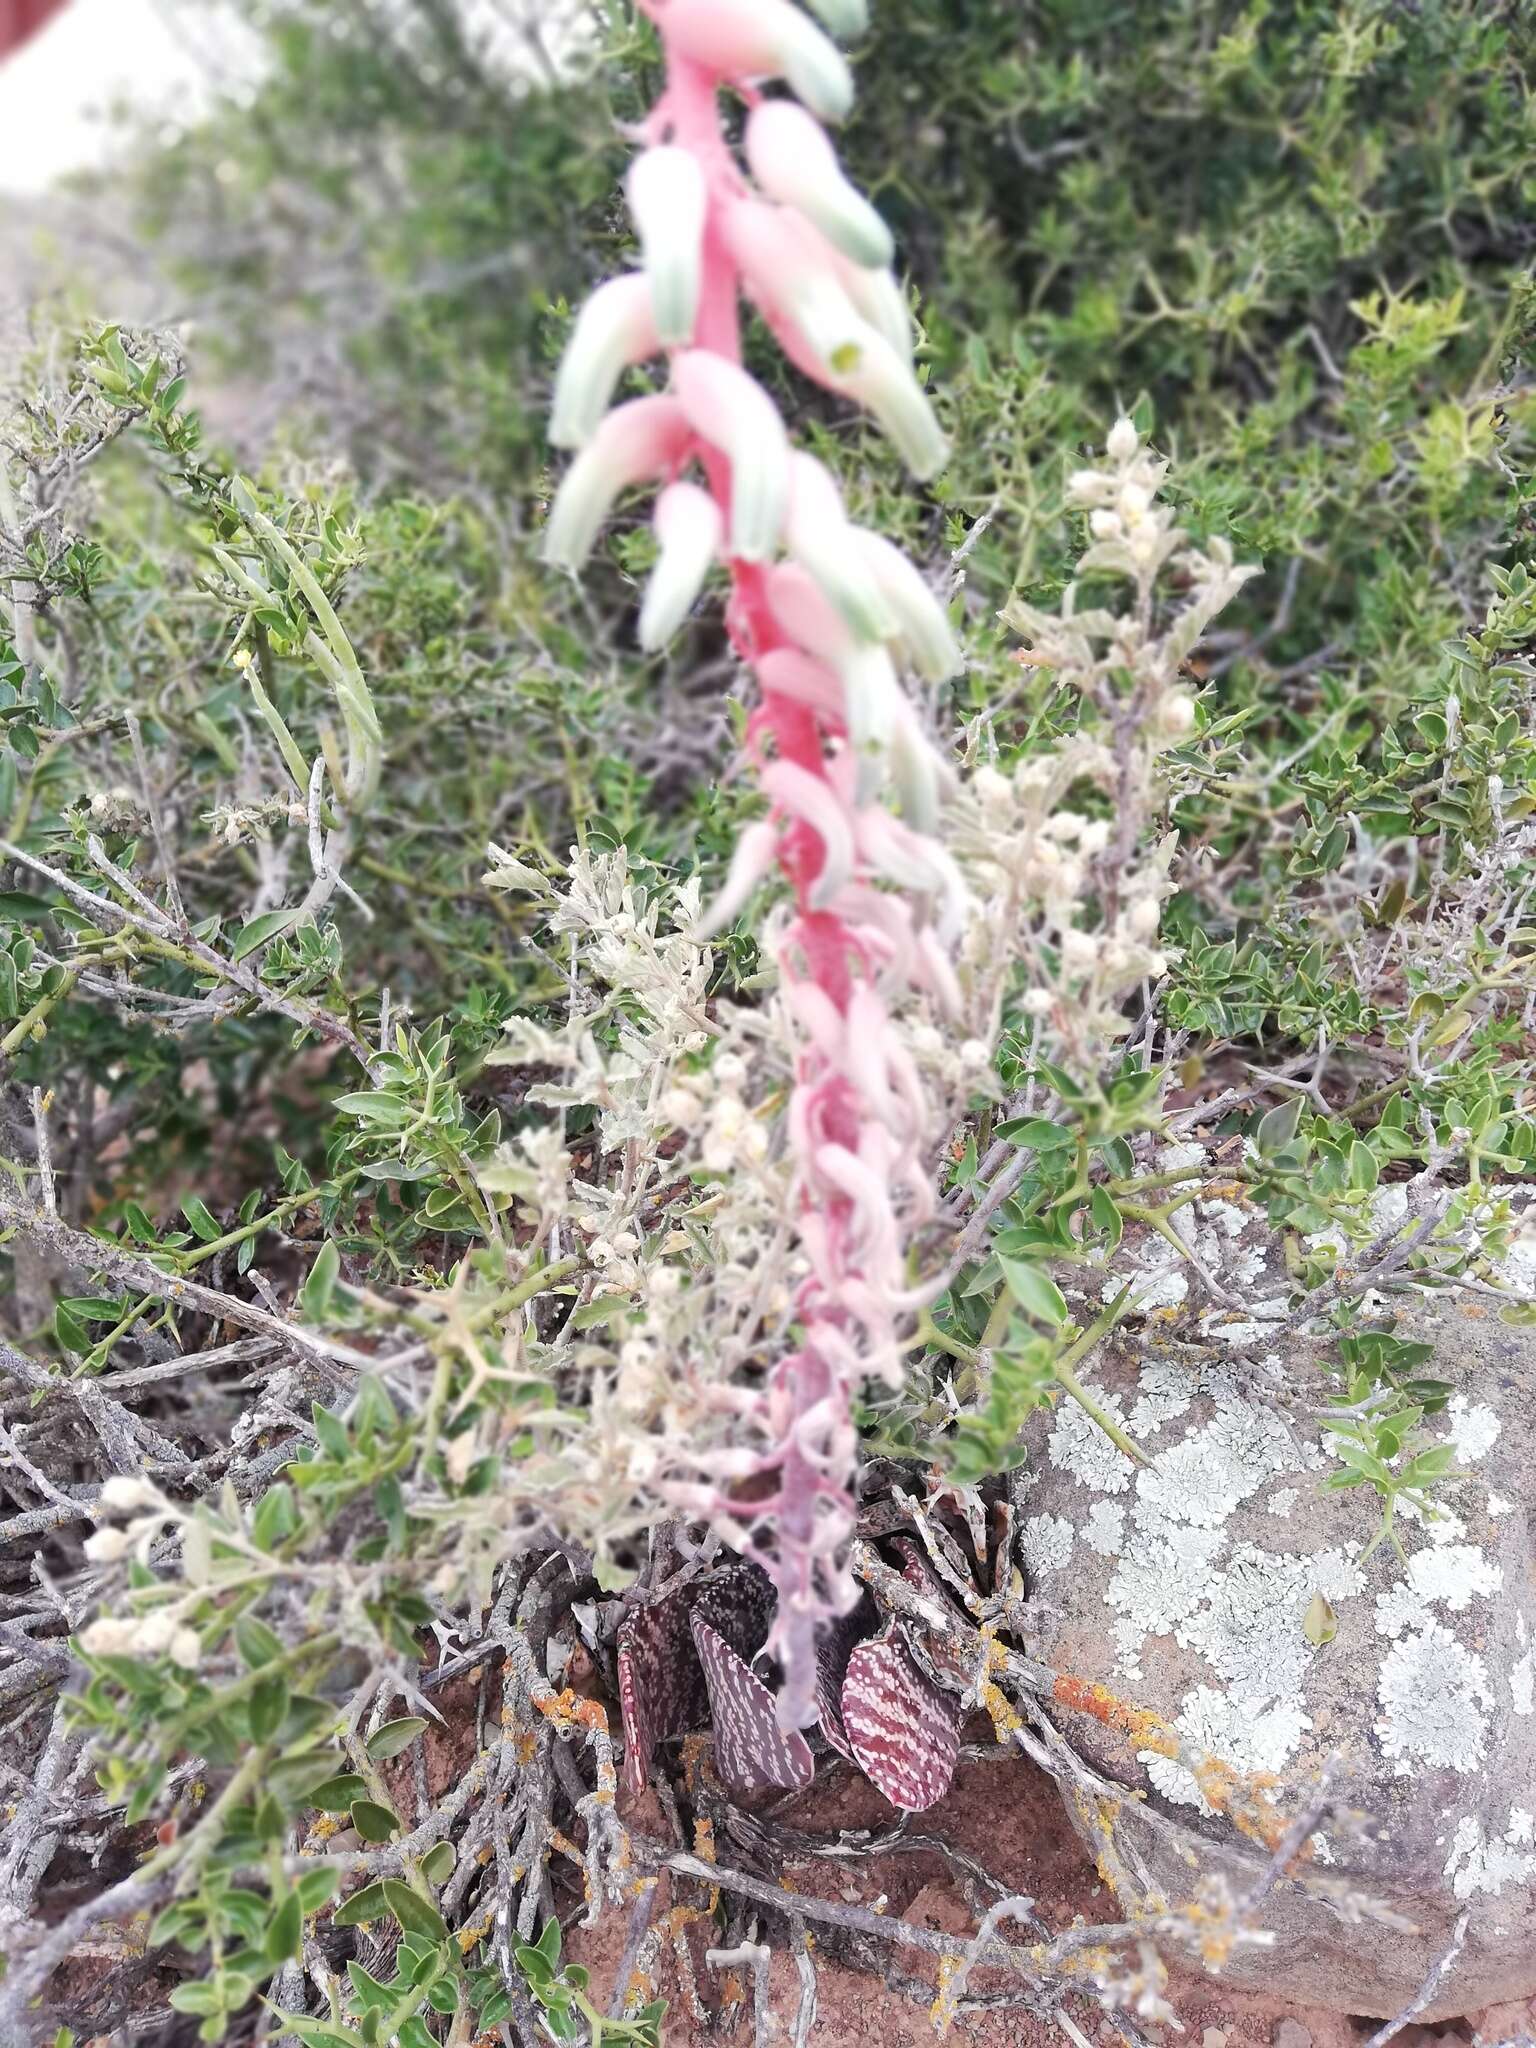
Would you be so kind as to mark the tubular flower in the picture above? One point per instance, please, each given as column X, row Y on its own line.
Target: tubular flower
column 793, row 161
column 665, row 189
column 616, row 329
column 823, row 613
column 689, row 530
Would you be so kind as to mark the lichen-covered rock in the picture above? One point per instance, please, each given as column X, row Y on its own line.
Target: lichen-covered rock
column 1224, row 1592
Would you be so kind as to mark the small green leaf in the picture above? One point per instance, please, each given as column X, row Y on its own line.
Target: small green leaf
column 276, row 1517
column 315, row 1888
column 318, row 2033
column 1106, row 1214
column 415, row 1914
column 315, row 1294
column 205, row 1225
column 285, row 1937
column 394, row 1736
column 259, row 930
column 197, row 1998
column 1037, row 1132
column 1319, row 1624
column 1035, row 1292
column 331, row 1432
column 257, row 1644
column 269, row 1704
column 69, row 1329
column 366, row 1904
column 1277, row 1128
column 335, row 1795
column 373, row 1822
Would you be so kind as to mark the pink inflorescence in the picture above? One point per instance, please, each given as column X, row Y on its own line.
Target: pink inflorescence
column 823, row 611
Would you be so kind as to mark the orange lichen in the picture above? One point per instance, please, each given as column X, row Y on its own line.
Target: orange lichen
column 941, row 2012
column 575, row 1711
column 1243, row 1798
column 565, row 1845
column 475, row 1931
column 1146, row 1730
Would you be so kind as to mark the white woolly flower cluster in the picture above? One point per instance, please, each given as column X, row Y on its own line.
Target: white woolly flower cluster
column 1061, row 852
column 162, row 1632
column 688, row 1272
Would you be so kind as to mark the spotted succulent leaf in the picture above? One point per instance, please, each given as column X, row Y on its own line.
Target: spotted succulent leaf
column 661, row 1684
column 752, row 1752
column 662, row 1688
column 904, row 1731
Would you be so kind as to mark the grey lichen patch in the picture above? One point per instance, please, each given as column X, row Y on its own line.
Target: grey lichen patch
column 1522, row 1673
column 1105, row 1528
column 1482, row 1863
column 1158, row 1583
column 1078, row 1445
column 1238, row 1608
column 1214, row 1233
column 1046, row 1543
column 1474, row 1428
column 1164, row 1392
column 1216, row 1724
column 1249, row 1629
column 1447, row 1575
column 1435, row 1700
column 1215, row 1469
column 1243, row 1611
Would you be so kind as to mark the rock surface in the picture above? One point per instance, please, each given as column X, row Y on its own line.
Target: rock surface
column 1184, row 1590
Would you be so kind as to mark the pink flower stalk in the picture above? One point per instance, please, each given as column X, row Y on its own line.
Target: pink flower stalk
column 823, row 612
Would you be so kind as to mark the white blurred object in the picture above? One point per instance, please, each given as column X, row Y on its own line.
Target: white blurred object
column 57, row 90
column 169, row 60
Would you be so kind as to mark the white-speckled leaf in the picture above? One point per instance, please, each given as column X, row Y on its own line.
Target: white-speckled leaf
column 905, row 1732
column 752, row 1752
column 662, row 1690
column 661, row 1687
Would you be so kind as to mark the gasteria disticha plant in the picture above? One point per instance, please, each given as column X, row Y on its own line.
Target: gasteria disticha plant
column 822, row 611
column 590, row 1296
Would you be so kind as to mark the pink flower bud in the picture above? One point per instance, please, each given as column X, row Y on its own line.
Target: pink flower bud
column 752, row 859
column 788, row 673
column 923, row 627
column 689, row 528
column 796, row 285
column 810, row 799
column 793, row 161
column 881, row 381
column 613, row 330
column 880, row 300
column 843, row 18
column 648, row 437
column 742, row 39
column 870, row 691
column 818, row 535
column 733, row 411
column 667, row 199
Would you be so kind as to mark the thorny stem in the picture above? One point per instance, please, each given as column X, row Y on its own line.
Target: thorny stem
column 1098, row 1329
column 23, row 1028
